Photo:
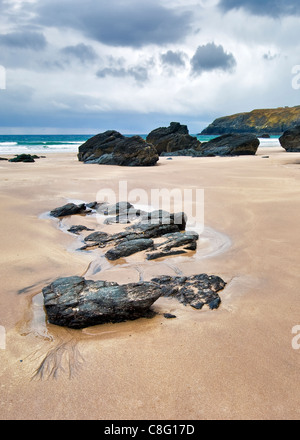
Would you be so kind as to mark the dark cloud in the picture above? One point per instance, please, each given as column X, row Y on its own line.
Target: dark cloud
column 23, row 40
column 211, row 57
column 139, row 73
column 81, row 51
column 118, row 23
column 273, row 8
column 175, row 59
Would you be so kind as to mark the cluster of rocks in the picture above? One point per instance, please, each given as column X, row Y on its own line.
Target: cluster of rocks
column 142, row 237
column 112, row 148
column 77, row 303
column 225, row 145
column 139, row 236
column 23, row 158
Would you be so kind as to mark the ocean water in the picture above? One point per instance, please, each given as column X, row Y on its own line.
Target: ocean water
column 45, row 144
column 40, row 144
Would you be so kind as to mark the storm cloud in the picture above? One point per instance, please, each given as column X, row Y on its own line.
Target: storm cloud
column 23, row 40
column 81, row 52
column 175, row 59
column 118, row 23
column 139, row 73
column 266, row 7
column 211, row 57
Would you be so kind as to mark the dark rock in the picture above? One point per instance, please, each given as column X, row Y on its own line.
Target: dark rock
column 24, row 158
column 187, row 240
column 119, row 208
column 163, row 254
column 173, row 138
column 121, row 212
column 69, row 209
column 97, row 237
column 196, row 290
column 188, row 152
column 149, row 230
column 125, row 217
column 139, row 236
column 3, row 158
column 112, row 148
column 78, row 228
column 93, row 205
column 169, row 316
column 179, row 239
column 162, row 217
column 76, row 303
column 129, row 247
column 265, row 136
column 231, row 145
column 290, row 140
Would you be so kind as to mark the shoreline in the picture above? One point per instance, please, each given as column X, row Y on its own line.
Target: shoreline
column 72, row 147
column 236, row 362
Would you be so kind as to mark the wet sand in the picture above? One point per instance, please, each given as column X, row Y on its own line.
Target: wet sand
column 231, row 363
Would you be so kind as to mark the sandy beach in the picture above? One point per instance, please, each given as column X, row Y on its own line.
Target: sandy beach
column 236, row 362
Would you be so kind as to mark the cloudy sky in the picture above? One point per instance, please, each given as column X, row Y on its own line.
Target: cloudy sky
column 74, row 66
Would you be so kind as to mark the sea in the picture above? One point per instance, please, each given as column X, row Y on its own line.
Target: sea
column 45, row 144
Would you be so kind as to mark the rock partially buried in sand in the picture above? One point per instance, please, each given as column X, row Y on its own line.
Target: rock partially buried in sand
column 196, row 290
column 188, row 152
column 76, row 229
column 112, row 148
column 290, row 140
column 231, row 145
column 69, row 209
column 129, row 247
column 140, row 236
column 77, row 303
column 24, row 158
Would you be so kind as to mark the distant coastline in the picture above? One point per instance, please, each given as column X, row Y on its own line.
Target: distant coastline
column 273, row 121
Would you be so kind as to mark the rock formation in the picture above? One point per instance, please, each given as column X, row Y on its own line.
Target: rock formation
column 196, row 290
column 112, row 148
column 24, row 158
column 69, row 209
column 231, row 145
column 140, row 237
column 77, row 303
column 290, row 140
column 173, row 138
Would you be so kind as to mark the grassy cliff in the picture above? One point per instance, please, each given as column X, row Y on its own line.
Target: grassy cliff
column 271, row 121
